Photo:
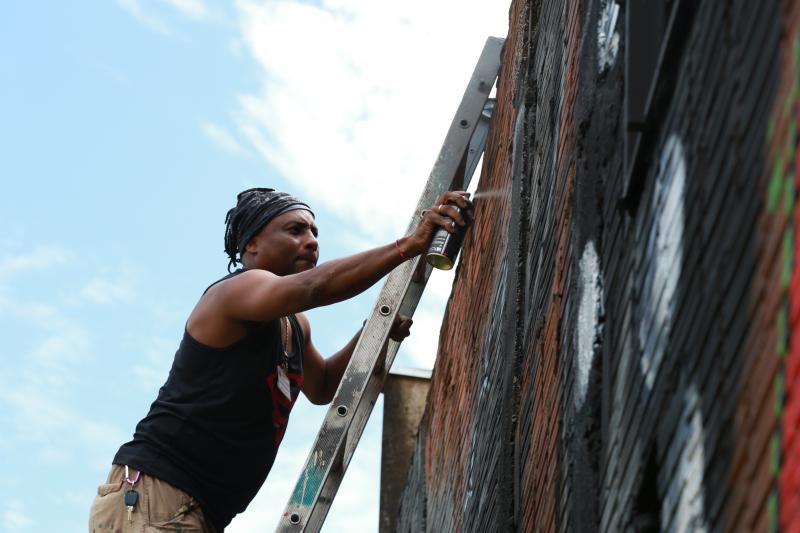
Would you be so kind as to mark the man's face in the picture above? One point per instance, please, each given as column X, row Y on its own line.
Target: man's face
column 286, row 245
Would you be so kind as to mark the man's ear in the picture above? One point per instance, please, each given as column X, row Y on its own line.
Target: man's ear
column 251, row 246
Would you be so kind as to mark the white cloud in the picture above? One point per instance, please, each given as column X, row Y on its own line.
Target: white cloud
column 357, row 503
column 357, row 96
column 154, row 16
column 102, row 291
column 40, row 258
column 54, row 455
column 154, row 23
column 264, row 511
column 440, row 285
column 149, row 377
column 422, row 345
column 61, row 344
column 155, row 362
column 420, row 349
column 195, row 9
column 222, row 138
column 64, row 342
column 38, row 386
column 15, row 518
column 355, row 241
column 29, row 310
column 41, row 417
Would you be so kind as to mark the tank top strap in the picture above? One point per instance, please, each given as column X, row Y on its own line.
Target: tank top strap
column 298, row 339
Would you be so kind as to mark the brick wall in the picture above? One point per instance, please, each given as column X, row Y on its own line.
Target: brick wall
column 618, row 352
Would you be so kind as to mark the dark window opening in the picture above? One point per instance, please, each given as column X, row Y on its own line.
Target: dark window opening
column 655, row 32
column 647, row 507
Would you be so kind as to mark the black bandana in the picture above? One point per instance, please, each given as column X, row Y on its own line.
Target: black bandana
column 254, row 209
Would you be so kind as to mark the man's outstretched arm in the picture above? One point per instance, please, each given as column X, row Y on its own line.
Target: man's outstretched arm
column 261, row 296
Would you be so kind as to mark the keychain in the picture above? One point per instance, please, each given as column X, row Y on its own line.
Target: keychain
column 131, row 496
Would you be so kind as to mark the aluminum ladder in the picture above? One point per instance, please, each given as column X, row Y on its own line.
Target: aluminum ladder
column 364, row 377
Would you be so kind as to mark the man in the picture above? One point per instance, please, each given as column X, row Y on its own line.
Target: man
column 205, row 448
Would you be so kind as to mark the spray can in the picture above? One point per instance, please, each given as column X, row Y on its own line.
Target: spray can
column 445, row 246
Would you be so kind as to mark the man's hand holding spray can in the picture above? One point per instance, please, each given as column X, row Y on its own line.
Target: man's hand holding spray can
column 445, row 246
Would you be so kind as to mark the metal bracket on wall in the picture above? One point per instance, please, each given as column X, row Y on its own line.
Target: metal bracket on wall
column 364, row 377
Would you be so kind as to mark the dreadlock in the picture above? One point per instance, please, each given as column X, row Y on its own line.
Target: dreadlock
column 254, row 209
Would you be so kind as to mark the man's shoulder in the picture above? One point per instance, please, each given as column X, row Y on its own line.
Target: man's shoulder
column 241, row 280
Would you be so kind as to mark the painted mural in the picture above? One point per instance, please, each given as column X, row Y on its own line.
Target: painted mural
column 622, row 348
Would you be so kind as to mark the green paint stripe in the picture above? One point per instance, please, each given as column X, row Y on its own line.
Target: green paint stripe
column 775, row 448
column 772, row 510
column 787, row 256
column 782, row 331
column 775, row 185
column 308, row 485
column 779, row 394
column 788, row 194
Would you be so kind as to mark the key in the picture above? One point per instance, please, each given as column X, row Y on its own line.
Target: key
column 131, row 497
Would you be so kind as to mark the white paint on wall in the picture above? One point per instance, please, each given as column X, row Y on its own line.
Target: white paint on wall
column 607, row 34
column 662, row 259
column 589, row 302
column 685, row 491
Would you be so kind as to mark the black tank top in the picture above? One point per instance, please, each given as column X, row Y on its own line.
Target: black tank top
column 215, row 427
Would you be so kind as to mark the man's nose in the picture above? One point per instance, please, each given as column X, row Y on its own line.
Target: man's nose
column 311, row 242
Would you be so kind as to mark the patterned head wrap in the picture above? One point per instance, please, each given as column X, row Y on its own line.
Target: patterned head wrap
column 254, row 209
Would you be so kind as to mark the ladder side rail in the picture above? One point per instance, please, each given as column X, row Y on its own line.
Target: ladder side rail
column 409, row 304
column 478, row 140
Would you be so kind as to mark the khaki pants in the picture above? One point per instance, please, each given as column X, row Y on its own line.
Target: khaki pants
column 161, row 507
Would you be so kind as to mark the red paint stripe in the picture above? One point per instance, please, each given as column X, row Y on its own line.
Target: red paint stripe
column 793, row 359
column 789, row 516
column 789, row 475
column 791, row 418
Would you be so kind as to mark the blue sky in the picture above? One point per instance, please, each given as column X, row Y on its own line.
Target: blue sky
column 126, row 129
